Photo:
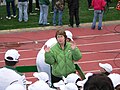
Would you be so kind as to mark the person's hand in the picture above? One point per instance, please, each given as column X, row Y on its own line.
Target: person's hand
column 47, row 49
column 73, row 45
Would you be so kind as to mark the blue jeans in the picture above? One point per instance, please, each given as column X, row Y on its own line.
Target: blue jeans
column 60, row 13
column 97, row 13
column 8, row 8
column 23, row 7
column 43, row 14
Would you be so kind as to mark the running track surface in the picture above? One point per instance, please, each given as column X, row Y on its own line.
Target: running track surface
column 96, row 46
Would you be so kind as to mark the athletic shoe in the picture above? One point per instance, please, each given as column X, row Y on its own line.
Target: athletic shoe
column 8, row 17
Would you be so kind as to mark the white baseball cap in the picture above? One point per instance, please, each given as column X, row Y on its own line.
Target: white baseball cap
column 115, row 78
column 106, row 66
column 39, row 85
column 41, row 76
column 72, row 78
column 12, row 55
column 69, row 86
column 69, row 35
column 15, row 87
column 58, row 84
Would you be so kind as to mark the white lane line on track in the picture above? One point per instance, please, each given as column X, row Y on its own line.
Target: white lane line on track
column 77, row 45
column 99, row 43
column 99, row 70
column 103, row 51
column 83, row 62
column 99, row 60
column 88, row 36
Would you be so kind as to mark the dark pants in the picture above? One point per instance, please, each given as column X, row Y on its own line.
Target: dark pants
column 30, row 6
column 74, row 13
column 53, row 3
column 8, row 8
column 55, row 79
column 108, row 2
column 89, row 3
column 37, row 4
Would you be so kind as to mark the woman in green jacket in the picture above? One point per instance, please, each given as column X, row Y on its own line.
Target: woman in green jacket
column 61, row 56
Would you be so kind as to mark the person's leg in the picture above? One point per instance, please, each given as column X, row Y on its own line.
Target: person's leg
column 71, row 15
column 60, row 17
column 100, row 20
column 54, row 17
column 20, row 11
column 41, row 15
column 77, row 20
column 30, row 6
column 8, row 9
column 37, row 5
column 94, row 20
column 89, row 3
column 25, row 7
column 52, row 7
column 13, row 8
column 45, row 14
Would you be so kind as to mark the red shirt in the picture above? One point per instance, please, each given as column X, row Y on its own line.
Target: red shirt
column 98, row 4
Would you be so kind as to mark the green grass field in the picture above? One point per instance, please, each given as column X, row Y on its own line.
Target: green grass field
column 84, row 14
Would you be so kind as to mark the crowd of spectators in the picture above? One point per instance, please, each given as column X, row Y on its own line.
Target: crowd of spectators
column 25, row 8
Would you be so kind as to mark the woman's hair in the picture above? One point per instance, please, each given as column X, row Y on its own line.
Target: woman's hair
column 61, row 32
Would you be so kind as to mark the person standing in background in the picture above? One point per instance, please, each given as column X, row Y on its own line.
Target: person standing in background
column 23, row 13
column 8, row 3
column 73, row 6
column 0, row 8
column 58, row 9
column 52, row 5
column 61, row 57
column 44, row 6
column 98, row 6
column 37, row 8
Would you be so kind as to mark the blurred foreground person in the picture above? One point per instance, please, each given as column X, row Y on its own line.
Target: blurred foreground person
column 42, row 83
column 116, row 80
column 8, row 74
column 15, row 87
column 98, row 82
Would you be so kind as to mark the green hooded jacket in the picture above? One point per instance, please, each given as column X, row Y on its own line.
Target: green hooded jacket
column 62, row 61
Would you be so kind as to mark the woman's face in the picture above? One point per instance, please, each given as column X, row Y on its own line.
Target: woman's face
column 60, row 39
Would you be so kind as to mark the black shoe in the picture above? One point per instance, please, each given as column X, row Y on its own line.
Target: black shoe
column 70, row 25
column 99, row 28
column 77, row 25
column 93, row 27
column 40, row 24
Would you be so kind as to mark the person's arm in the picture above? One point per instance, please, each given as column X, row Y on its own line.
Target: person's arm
column 49, row 56
column 75, row 51
column 76, row 54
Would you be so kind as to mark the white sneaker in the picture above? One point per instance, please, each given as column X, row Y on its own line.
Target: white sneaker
column 8, row 17
column 14, row 16
column 37, row 9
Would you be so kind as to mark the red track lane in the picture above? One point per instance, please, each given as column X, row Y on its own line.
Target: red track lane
column 96, row 46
